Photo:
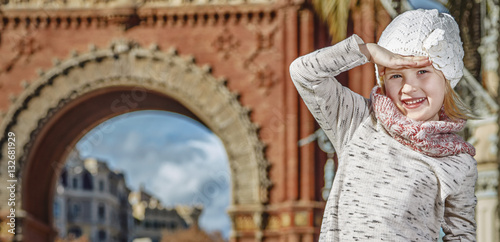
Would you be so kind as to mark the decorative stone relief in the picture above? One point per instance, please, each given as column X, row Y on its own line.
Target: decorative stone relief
column 286, row 220
column 274, row 222
column 329, row 169
column 488, row 48
column 487, row 184
column 125, row 63
column 22, row 46
column 111, row 3
column 301, row 218
column 263, row 75
column 489, row 45
column 265, row 41
column 244, row 223
column 265, row 78
column 225, row 44
column 129, row 16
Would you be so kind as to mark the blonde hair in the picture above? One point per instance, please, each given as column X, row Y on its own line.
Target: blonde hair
column 453, row 105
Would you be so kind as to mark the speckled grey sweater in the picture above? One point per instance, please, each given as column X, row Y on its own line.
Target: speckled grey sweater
column 383, row 190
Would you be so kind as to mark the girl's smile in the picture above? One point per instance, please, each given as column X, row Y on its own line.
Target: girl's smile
column 417, row 92
column 413, row 102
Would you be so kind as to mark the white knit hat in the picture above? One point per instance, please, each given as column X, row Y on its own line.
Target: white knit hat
column 427, row 33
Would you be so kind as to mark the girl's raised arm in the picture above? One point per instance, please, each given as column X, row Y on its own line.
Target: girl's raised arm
column 384, row 58
column 338, row 110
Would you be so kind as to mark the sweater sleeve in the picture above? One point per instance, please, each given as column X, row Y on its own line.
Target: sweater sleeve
column 459, row 223
column 338, row 110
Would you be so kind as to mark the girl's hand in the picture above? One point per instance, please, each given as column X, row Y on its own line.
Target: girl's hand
column 384, row 58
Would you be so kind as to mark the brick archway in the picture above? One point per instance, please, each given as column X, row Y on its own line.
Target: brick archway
column 79, row 93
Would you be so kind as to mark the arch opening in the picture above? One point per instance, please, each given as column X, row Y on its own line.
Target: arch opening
column 167, row 160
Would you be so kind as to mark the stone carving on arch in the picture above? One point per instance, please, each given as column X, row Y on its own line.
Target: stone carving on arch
column 125, row 63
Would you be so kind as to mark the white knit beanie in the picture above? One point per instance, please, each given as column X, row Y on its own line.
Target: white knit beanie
column 427, row 33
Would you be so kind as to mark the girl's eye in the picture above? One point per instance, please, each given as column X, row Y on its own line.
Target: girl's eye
column 422, row 71
column 395, row 76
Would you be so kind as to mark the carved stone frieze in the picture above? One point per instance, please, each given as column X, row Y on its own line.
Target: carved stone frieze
column 125, row 63
column 71, row 4
column 131, row 16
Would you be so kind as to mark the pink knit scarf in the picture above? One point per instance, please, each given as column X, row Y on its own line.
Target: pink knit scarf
column 432, row 138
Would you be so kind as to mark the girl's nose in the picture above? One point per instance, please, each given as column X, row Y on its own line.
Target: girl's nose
column 408, row 87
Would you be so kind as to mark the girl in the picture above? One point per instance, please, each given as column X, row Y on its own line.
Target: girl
column 403, row 172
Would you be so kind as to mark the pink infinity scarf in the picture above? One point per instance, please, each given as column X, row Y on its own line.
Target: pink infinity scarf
column 432, row 138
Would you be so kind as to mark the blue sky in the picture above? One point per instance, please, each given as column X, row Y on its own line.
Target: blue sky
column 176, row 158
column 428, row 4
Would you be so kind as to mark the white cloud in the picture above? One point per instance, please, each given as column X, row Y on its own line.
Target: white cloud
column 132, row 141
column 203, row 179
column 198, row 177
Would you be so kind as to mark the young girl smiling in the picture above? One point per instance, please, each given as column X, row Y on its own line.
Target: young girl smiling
column 403, row 172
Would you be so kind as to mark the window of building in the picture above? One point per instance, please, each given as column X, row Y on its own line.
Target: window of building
column 64, row 178
column 101, row 211
column 75, row 183
column 76, row 210
column 101, row 186
column 87, row 181
column 86, row 209
column 101, row 235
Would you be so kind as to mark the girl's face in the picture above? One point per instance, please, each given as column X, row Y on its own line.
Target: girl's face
column 417, row 92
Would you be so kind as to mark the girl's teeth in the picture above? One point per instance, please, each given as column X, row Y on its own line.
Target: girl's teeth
column 415, row 101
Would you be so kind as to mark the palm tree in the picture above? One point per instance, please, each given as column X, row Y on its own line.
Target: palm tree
column 335, row 13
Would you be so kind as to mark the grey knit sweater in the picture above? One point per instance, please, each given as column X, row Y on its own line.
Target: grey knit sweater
column 383, row 190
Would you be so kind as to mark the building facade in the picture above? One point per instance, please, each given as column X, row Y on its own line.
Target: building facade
column 153, row 220
column 91, row 199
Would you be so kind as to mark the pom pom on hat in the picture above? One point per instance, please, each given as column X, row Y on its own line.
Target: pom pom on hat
column 427, row 33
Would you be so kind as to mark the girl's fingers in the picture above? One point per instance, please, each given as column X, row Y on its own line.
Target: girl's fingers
column 399, row 61
column 405, row 61
column 424, row 62
column 414, row 61
column 419, row 58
